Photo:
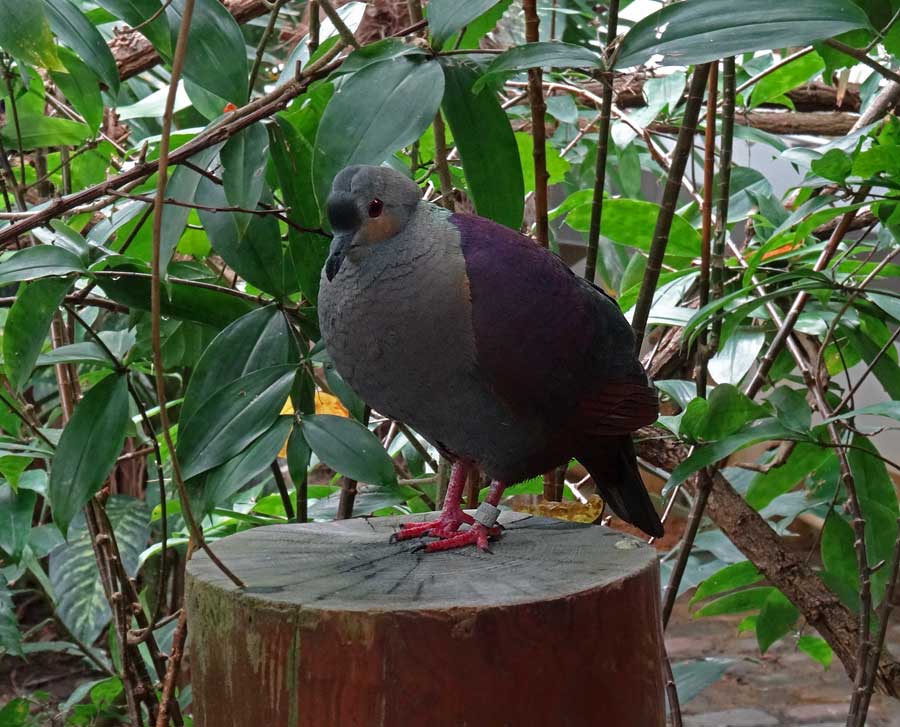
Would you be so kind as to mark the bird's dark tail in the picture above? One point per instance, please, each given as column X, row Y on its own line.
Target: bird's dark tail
column 612, row 463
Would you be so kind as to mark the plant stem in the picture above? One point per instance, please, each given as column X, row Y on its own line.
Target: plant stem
column 723, row 194
column 667, row 206
column 263, row 41
column 538, row 128
column 605, row 119
column 440, row 161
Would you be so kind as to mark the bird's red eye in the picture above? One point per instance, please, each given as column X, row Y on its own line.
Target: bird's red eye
column 376, row 207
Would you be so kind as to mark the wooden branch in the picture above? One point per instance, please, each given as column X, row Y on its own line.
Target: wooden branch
column 814, row 123
column 134, row 54
column 789, row 572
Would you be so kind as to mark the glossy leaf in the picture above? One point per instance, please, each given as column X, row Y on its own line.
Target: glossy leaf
column 446, row 17
column 692, row 677
column 40, row 131
column 631, row 222
column 729, row 578
column 79, row 86
column 749, row 599
column 16, row 512
column 816, row 648
column 249, row 244
column 244, row 159
column 80, row 600
column 883, row 409
column 25, row 34
column 258, row 340
column 549, row 54
column 786, row 78
column 725, row 411
column 136, row 13
column 776, row 618
column 736, row 356
column 805, row 458
column 78, row 33
column 222, row 482
column 839, row 559
column 216, row 59
column 232, row 418
column 481, row 131
column 705, row 30
column 349, row 448
column 88, row 448
column 40, row 261
column 373, row 113
column 352, row 14
column 27, row 326
column 873, row 483
column 293, row 138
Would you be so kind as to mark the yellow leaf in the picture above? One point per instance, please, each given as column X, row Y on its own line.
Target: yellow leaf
column 288, row 408
column 328, row 404
column 566, row 510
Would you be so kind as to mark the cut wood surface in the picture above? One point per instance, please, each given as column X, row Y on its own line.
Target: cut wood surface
column 336, row 626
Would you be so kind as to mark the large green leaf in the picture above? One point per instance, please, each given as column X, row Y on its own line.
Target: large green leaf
column 748, row 599
column 25, row 34
column 76, row 31
column 79, row 86
column 88, row 448
column 549, row 54
column 374, row 112
column 232, row 418
column 729, row 578
column 873, row 483
column 293, row 140
column 258, row 340
column 118, row 343
column 487, row 147
column 692, row 677
column 10, row 636
column 632, row 221
column 348, row 447
column 80, row 600
column 40, row 131
column 806, row 457
column 704, row 30
column 136, row 13
column 16, row 512
column 181, row 186
column 244, row 159
column 40, row 261
column 725, row 411
column 251, row 246
column 776, row 617
column 27, row 325
column 839, row 559
column 786, row 78
column 216, row 58
column 446, row 17
column 223, row 481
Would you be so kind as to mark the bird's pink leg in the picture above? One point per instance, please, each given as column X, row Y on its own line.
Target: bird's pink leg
column 478, row 533
column 452, row 516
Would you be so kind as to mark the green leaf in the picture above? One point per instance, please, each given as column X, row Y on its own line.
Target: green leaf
column 244, row 158
column 735, row 575
column 446, row 17
column 258, row 340
column 482, row 131
column 786, row 78
column 776, row 618
column 749, row 599
column 708, row 454
column 16, row 512
column 882, row 409
column 40, row 131
column 181, row 186
column 807, row 457
column 835, row 165
column 250, row 246
column 232, row 418
column 25, row 34
column 88, row 448
column 348, row 447
column 878, row 159
column 550, row 54
column 80, row 600
column 118, row 342
column 557, row 167
column 705, row 30
column 631, row 222
column 136, row 13
column 27, row 325
column 726, row 411
column 692, row 677
column 223, row 481
column 216, row 58
column 76, row 31
column 736, row 356
column 10, row 636
column 816, row 648
column 873, row 483
column 839, row 559
column 293, row 138
column 40, row 261
column 79, row 86
column 382, row 108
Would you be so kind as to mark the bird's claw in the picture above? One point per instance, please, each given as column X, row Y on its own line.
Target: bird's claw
column 445, row 526
column 477, row 534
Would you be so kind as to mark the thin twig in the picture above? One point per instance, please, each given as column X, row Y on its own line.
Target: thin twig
column 263, row 41
column 538, row 128
column 282, row 490
column 339, row 24
column 863, row 58
column 440, row 161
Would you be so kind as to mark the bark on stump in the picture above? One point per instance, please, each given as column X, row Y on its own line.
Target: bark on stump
column 337, row 627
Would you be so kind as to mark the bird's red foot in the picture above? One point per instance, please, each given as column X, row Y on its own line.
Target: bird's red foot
column 445, row 526
column 477, row 534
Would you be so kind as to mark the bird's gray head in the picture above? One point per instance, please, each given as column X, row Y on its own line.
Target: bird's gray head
column 367, row 206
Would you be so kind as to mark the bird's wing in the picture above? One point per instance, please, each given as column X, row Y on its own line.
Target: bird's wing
column 547, row 339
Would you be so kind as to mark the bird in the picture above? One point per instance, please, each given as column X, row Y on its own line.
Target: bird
column 486, row 344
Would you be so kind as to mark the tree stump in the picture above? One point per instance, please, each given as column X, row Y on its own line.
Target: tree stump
column 337, row 627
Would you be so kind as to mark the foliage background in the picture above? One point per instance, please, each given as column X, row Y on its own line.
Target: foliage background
column 162, row 234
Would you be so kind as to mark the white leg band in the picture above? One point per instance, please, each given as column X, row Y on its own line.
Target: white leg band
column 487, row 514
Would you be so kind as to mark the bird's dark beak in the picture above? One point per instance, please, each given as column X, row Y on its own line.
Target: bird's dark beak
column 340, row 243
